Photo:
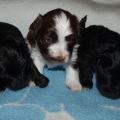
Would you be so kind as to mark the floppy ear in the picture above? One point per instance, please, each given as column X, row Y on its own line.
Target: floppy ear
column 33, row 30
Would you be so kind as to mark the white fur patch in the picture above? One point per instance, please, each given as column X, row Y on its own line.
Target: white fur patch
column 37, row 59
column 74, row 54
column 72, row 79
column 62, row 26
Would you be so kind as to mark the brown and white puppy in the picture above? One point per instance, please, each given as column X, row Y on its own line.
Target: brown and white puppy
column 53, row 41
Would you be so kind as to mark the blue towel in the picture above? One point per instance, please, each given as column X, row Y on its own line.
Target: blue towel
column 57, row 102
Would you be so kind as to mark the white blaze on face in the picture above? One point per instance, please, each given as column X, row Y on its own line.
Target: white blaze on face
column 62, row 26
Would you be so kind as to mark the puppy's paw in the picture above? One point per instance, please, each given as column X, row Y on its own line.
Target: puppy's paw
column 41, row 81
column 87, row 84
column 73, row 85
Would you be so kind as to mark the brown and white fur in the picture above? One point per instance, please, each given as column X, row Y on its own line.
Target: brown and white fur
column 53, row 41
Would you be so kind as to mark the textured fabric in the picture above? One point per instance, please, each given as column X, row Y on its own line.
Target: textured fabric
column 56, row 101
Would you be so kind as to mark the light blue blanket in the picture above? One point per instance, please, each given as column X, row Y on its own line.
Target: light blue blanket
column 56, row 101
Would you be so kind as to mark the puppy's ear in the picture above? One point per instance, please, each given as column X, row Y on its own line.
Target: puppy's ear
column 82, row 27
column 83, row 22
column 34, row 27
column 33, row 30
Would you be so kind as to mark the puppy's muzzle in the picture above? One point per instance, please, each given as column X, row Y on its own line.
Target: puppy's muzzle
column 60, row 59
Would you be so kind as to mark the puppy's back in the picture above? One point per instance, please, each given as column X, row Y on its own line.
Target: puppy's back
column 98, row 33
column 6, row 27
column 12, row 43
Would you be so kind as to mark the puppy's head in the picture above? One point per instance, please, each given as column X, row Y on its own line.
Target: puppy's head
column 14, row 64
column 108, row 72
column 56, row 34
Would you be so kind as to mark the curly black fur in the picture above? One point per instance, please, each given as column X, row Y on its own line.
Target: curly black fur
column 99, row 52
column 16, row 66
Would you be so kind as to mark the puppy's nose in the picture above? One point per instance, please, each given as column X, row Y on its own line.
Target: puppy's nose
column 60, row 58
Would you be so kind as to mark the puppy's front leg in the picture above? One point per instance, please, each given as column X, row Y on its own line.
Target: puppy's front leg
column 86, row 75
column 72, row 78
column 38, row 63
column 85, row 64
column 39, row 79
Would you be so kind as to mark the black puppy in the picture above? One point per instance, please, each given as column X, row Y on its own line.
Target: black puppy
column 16, row 66
column 99, row 52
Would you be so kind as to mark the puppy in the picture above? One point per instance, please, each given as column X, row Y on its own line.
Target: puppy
column 99, row 52
column 16, row 66
column 53, row 41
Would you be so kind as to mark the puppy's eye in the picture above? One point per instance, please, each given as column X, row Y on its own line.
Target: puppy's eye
column 49, row 40
column 70, row 38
